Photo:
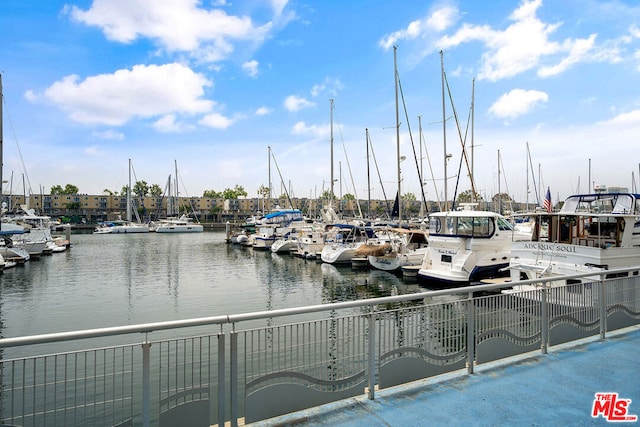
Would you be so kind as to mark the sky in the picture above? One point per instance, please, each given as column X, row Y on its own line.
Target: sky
column 534, row 94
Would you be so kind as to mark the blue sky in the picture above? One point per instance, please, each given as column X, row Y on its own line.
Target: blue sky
column 212, row 84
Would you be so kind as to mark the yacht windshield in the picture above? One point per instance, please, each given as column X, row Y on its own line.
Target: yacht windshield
column 466, row 226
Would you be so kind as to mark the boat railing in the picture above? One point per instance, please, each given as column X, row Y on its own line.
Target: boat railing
column 242, row 368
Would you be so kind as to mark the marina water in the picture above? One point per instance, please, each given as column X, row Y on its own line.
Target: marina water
column 117, row 280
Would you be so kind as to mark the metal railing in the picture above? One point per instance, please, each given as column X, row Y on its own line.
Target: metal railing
column 248, row 367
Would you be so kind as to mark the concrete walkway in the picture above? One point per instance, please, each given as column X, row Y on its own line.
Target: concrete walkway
column 556, row 389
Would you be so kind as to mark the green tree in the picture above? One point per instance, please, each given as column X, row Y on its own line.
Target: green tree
column 140, row 188
column 326, row 195
column 263, row 191
column 212, row 194
column 70, row 189
column 240, row 191
column 107, row 191
column 155, row 190
column 348, row 196
column 467, row 197
column 504, row 197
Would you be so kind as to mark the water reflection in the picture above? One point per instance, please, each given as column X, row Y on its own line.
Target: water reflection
column 116, row 280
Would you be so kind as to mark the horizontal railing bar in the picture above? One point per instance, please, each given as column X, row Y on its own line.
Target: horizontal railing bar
column 235, row 318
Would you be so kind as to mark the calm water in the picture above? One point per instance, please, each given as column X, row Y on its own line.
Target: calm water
column 114, row 280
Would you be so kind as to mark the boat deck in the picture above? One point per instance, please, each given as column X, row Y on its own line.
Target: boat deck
column 554, row 389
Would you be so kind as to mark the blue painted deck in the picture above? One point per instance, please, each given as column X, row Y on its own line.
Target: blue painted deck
column 556, row 389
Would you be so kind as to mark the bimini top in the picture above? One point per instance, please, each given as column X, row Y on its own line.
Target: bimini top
column 602, row 203
column 283, row 215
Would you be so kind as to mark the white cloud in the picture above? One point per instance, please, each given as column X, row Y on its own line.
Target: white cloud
column 110, row 135
column 301, row 128
column 144, row 91
column 329, row 85
column 177, row 26
column 578, row 50
column 168, row 124
column 517, row 102
column 438, row 21
column 630, row 118
column 295, row 103
column 216, row 121
column 94, row 151
column 263, row 111
column 521, row 46
column 251, row 68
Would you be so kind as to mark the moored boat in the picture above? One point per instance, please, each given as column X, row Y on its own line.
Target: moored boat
column 591, row 233
column 466, row 246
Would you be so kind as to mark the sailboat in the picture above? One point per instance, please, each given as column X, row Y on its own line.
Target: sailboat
column 120, row 226
column 174, row 224
column 9, row 254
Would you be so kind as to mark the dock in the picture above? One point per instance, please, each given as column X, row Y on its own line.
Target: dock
column 556, row 389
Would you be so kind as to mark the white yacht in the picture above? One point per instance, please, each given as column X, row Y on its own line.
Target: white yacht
column 183, row 224
column 342, row 241
column 405, row 247
column 466, row 246
column 121, row 227
column 276, row 224
column 591, row 233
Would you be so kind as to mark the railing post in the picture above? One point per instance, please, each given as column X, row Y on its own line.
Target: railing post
column 471, row 334
column 146, row 383
column 372, row 355
column 221, row 379
column 603, row 306
column 233, row 392
column 544, row 325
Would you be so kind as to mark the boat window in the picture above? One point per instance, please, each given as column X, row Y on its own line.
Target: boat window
column 624, row 204
column 464, row 226
column 483, row 227
column 504, row 225
column 435, row 225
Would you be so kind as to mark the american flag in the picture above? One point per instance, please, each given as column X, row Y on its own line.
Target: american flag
column 547, row 201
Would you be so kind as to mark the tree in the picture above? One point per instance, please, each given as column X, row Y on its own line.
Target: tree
column 263, row 191
column 348, row 196
column 155, row 190
column 107, row 191
column 504, row 197
column 213, row 194
column 240, row 191
column 140, row 188
column 68, row 189
column 326, row 195
column 467, row 197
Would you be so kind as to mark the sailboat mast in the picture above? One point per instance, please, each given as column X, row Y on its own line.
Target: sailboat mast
column 1, row 142
column 331, row 127
column 176, row 205
column 366, row 132
column 526, row 206
column 473, row 94
column 129, row 195
column 269, row 171
column 444, row 134
column 395, row 69
column 421, row 171
column 499, row 194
